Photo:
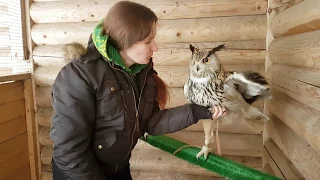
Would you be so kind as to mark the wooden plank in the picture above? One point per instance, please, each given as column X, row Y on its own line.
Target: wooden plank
column 267, row 169
column 174, row 76
column 169, row 31
column 14, row 165
column 32, row 130
column 158, row 160
column 303, row 156
column 11, row 92
column 173, row 56
column 16, row 145
column 84, row 10
column 12, row 128
column 303, row 120
column 301, row 50
column 148, row 175
column 231, row 144
column 15, row 77
column 305, row 93
column 302, row 17
column 22, row 173
column 274, row 168
column 12, row 110
column 286, row 167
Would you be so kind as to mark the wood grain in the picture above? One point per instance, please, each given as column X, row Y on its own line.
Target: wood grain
column 87, row 10
column 303, row 156
column 301, row 50
column 169, row 31
column 302, row 17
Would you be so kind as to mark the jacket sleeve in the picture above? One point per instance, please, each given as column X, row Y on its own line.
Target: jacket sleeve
column 175, row 119
column 73, row 101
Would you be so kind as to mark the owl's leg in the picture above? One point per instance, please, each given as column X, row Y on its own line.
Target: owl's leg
column 208, row 131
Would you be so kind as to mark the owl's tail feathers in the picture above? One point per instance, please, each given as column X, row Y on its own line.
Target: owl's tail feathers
column 254, row 117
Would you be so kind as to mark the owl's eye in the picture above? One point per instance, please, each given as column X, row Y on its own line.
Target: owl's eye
column 206, row 60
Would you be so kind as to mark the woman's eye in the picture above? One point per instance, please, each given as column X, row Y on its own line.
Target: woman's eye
column 206, row 60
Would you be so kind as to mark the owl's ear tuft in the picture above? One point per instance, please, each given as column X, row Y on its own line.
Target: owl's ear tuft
column 191, row 48
column 218, row 48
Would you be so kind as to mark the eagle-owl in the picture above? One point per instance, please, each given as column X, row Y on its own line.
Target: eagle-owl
column 209, row 84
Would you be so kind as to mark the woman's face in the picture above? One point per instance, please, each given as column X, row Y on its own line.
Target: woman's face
column 141, row 52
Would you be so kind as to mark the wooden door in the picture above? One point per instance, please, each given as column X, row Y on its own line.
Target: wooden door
column 15, row 156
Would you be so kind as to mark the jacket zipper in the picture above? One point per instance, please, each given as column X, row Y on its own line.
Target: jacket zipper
column 135, row 102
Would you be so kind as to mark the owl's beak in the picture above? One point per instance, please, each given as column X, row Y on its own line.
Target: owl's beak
column 197, row 68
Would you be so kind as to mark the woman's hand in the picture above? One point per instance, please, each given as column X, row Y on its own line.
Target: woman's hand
column 218, row 111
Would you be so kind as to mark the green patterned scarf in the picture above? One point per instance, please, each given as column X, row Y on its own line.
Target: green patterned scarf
column 109, row 52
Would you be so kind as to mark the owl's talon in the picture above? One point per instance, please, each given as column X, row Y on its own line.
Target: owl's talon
column 205, row 151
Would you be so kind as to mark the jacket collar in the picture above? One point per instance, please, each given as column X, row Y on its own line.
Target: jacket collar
column 109, row 52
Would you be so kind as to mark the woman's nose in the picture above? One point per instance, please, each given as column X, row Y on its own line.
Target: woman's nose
column 154, row 46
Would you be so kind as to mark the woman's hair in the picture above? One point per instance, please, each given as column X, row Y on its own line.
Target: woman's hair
column 128, row 23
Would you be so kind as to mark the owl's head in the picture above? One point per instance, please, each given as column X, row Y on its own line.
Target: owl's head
column 204, row 62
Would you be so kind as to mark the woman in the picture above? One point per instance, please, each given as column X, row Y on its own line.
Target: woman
column 110, row 96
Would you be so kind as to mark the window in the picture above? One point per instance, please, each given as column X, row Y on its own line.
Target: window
column 12, row 59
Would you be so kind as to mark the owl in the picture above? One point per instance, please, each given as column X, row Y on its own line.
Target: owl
column 209, row 84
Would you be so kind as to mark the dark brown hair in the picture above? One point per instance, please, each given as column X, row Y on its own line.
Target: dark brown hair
column 127, row 23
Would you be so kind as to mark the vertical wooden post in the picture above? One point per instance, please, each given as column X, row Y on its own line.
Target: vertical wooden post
column 32, row 131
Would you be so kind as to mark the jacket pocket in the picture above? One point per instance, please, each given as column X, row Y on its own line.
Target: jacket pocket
column 102, row 143
column 109, row 98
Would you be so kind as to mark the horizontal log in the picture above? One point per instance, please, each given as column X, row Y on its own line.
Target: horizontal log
column 147, row 175
column 303, row 17
column 234, row 45
column 288, row 170
column 174, row 76
column 237, row 126
column 44, row 116
column 84, row 10
column 53, row 56
column 43, row 96
column 303, row 92
column 57, row 50
column 303, row 120
column 177, row 98
column 158, row 160
column 169, row 31
column 281, row 5
column 231, row 144
column 305, row 75
column 303, row 157
column 44, row 136
column 302, row 50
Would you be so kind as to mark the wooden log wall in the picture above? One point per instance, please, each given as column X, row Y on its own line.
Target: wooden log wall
column 241, row 25
column 293, row 70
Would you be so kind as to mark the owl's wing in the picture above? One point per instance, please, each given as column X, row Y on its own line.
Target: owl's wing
column 251, row 85
column 186, row 91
